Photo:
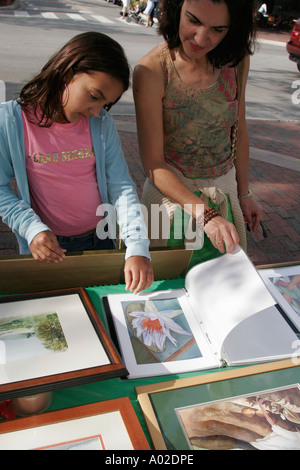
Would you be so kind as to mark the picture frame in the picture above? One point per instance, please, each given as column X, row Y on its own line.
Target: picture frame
column 222, row 316
column 283, row 282
column 52, row 340
column 107, row 425
column 162, row 402
column 183, row 349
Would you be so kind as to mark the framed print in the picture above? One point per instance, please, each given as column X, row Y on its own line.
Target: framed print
column 255, row 408
column 53, row 340
column 158, row 333
column 284, row 284
column 220, row 318
column 107, row 425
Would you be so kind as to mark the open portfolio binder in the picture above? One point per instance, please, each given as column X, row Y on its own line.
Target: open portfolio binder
column 225, row 315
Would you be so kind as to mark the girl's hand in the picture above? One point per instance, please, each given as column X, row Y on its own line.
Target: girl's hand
column 252, row 212
column 45, row 247
column 222, row 234
column 138, row 273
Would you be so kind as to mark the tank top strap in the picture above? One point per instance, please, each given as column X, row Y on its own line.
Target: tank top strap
column 167, row 64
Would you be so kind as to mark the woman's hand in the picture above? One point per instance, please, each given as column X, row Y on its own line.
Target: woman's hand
column 222, row 234
column 138, row 273
column 252, row 212
column 45, row 247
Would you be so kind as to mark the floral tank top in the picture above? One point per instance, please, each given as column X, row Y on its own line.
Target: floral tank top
column 198, row 122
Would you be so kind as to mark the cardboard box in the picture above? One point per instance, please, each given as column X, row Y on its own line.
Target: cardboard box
column 22, row 274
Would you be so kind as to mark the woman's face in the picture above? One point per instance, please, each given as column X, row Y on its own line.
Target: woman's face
column 86, row 94
column 203, row 25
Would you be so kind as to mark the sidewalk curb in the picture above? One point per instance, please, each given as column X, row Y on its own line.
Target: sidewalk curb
column 273, row 43
column 264, row 156
column 277, row 159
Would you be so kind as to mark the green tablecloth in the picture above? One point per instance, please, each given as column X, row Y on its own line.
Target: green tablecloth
column 114, row 388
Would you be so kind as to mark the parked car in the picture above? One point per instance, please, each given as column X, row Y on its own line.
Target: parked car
column 293, row 46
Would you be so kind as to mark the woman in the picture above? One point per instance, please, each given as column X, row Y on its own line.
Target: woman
column 190, row 105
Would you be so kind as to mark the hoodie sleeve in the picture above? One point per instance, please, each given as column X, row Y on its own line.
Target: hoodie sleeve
column 15, row 208
column 121, row 192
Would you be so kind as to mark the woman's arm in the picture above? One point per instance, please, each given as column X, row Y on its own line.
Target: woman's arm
column 148, row 90
column 250, row 207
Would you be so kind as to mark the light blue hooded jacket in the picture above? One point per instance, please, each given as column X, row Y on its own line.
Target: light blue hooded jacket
column 116, row 187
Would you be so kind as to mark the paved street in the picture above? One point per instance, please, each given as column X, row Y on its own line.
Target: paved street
column 274, row 163
column 73, row 12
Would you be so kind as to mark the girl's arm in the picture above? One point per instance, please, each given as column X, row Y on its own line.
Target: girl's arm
column 21, row 218
column 45, row 247
column 15, row 209
column 138, row 273
column 148, row 90
column 122, row 194
column 250, row 208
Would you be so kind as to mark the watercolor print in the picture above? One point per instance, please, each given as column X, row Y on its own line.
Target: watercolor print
column 26, row 336
column 289, row 288
column 268, row 420
column 88, row 443
column 159, row 331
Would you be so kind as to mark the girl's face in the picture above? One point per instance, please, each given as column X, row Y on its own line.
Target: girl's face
column 203, row 25
column 86, row 94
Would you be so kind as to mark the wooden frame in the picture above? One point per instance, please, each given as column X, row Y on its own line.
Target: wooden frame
column 109, row 425
column 80, row 350
column 161, row 420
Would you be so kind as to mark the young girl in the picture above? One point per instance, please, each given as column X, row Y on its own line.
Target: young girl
column 61, row 145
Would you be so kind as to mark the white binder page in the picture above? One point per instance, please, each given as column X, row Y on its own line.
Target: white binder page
column 226, row 291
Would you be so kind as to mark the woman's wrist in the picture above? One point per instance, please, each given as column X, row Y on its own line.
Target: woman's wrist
column 207, row 215
column 245, row 195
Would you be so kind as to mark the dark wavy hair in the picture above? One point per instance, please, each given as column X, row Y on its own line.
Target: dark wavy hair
column 84, row 53
column 238, row 42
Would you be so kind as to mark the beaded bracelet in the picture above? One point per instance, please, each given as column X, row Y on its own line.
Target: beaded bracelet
column 208, row 215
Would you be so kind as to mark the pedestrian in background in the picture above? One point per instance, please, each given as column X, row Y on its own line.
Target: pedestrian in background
column 263, row 14
column 126, row 5
column 154, row 12
column 148, row 11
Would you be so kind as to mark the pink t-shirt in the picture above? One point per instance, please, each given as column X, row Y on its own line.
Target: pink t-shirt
column 61, row 170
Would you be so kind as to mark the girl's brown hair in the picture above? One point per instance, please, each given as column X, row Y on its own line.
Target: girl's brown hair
column 84, row 53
